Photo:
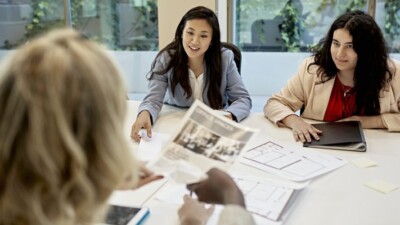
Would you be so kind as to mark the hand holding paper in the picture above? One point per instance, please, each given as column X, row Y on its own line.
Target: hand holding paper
column 218, row 188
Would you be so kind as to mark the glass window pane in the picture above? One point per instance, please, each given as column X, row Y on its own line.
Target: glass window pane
column 290, row 25
column 388, row 18
column 21, row 20
column 121, row 25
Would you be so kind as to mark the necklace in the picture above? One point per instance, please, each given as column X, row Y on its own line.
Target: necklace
column 346, row 90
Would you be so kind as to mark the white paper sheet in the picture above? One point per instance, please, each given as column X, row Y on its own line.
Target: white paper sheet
column 149, row 149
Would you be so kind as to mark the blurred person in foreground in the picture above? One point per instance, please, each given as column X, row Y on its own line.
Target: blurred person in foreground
column 62, row 148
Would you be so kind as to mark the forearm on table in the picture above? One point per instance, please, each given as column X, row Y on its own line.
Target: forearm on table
column 370, row 122
column 240, row 109
column 290, row 120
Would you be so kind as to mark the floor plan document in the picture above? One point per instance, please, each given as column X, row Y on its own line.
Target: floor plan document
column 290, row 162
column 266, row 198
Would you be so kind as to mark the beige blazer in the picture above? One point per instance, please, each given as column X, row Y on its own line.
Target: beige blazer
column 306, row 89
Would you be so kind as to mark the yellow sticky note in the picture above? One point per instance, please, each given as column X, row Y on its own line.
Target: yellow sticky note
column 381, row 186
column 364, row 162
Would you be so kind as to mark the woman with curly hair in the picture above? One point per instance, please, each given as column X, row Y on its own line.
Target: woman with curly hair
column 349, row 78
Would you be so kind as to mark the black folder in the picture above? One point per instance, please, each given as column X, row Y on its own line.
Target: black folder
column 341, row 136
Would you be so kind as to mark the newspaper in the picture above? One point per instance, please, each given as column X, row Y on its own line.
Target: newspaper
column 204, row 139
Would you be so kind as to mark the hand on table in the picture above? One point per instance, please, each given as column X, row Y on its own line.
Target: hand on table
column 229, row 115
column 142, row 121
column 302, row 131
column 147, row 176
column 193, row 212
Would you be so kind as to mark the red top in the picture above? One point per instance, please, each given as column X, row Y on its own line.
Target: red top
column 342, row 102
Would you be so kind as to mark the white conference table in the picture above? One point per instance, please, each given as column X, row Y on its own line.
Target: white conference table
column 339, row 197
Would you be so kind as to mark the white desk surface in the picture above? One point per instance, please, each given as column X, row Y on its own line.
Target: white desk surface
column 339, row 197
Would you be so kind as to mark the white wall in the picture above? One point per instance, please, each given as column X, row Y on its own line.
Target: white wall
column 170, row 12
column 264, row 73
column 134, row 67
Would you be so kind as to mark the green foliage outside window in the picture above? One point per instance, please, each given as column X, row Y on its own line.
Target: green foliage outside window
column 44, row 18
column 147, row 23
column 356, row 4
column 49, row 14
column 351, row 6
column 293, row 23
column 291, row 27
column 392, row 24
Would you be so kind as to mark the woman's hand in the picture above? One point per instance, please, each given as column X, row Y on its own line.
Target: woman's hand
column 302, row 131
column 229, row 115
column 145, row 176
column 142, row 121
column 218, row 188
column 193, row 212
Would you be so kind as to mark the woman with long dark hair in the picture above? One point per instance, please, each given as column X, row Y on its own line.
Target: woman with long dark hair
column 194, row 66
column 349, row 78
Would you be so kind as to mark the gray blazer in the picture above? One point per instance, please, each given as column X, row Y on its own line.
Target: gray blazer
column 232, row 89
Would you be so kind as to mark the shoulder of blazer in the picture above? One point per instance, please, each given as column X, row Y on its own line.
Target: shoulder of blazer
column 394, row 66
column 162, row 61
column 310, row 72
column 164, row 57
column 226, row 54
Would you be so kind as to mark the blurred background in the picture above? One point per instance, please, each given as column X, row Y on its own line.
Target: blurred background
column 273, row 35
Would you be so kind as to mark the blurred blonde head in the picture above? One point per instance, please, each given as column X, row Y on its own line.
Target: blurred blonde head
column 62, row 151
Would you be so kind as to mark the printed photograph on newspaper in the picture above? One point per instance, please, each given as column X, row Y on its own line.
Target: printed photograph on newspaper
column 203, row 140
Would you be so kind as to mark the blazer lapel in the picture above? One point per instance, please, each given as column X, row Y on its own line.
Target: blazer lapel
column 319, row 98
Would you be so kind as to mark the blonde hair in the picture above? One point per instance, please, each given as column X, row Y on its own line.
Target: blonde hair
column 62, row 149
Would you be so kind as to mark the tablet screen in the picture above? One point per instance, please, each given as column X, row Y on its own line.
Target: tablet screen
column 120, row 215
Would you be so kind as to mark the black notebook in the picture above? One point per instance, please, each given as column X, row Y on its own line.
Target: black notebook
column 341, row 136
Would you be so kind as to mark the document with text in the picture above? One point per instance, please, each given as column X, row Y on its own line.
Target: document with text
column 291, row 162
column 204, row 139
